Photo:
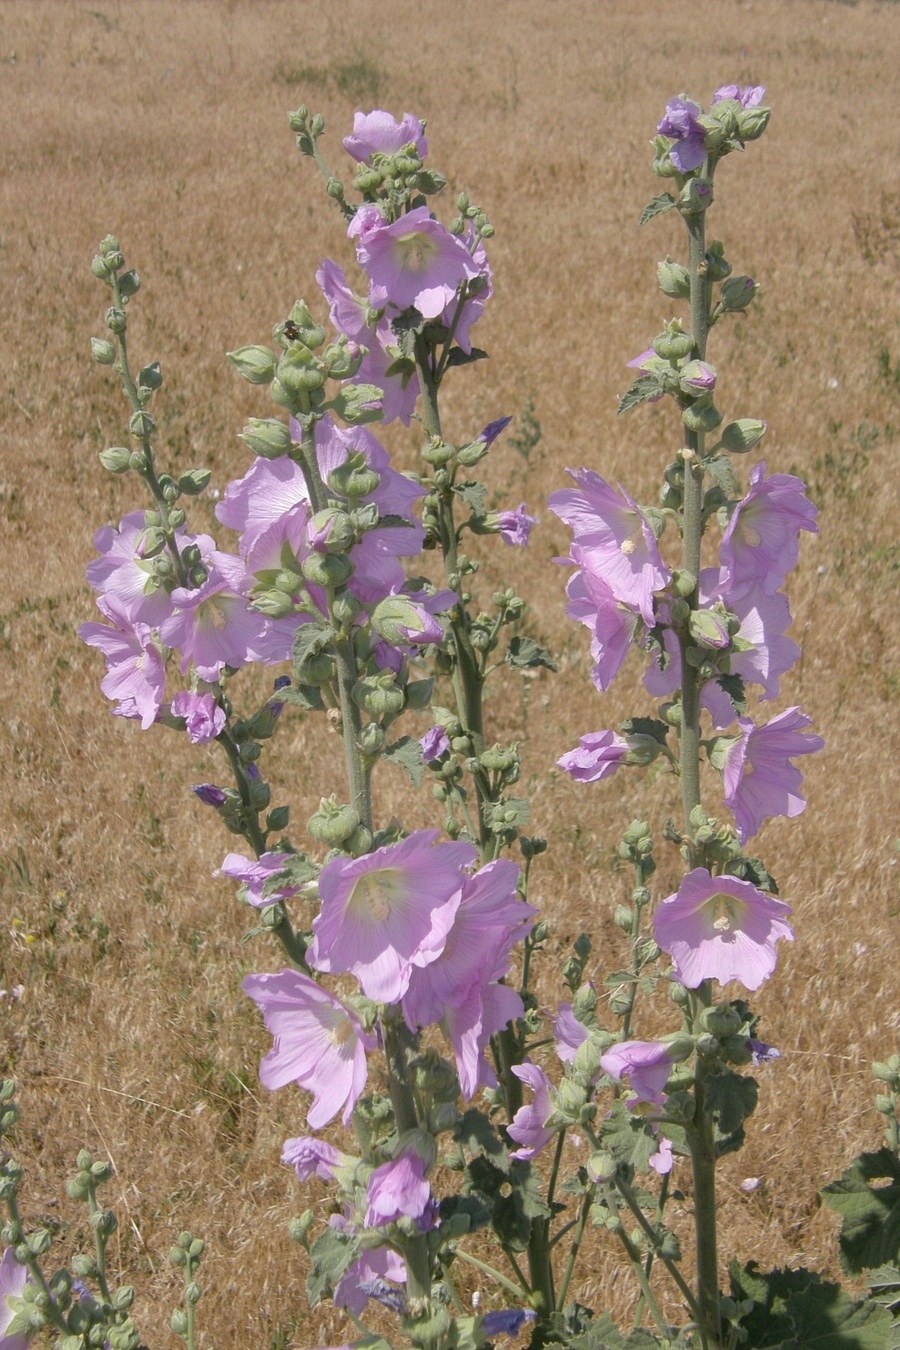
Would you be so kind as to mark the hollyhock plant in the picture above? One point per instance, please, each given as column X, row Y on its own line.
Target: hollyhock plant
column 681, row 125
column 614, row 540
column 760, row 780
column 762, row 542
column 388, row 912
column 203, row 717
column 416, row 262
column 378, row 133
column 721, row 928
column 319, row 1043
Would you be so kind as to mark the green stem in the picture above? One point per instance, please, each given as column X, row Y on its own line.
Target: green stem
column 494, row 1273
column 406, row 1118
column 576, row 1246
column 631, row 1201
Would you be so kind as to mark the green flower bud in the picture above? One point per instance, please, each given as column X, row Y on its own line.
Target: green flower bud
column 354, row 478
column 333, row 822
column 722, row 1020
column 743, row 435
column 129, row 283
column 109, row 244
column 752, row 122
column 379, row 695
column 115, row 320
column 736, row 1049
column 372, row 739
column 885, row 1105
column 884, row 1073
column 674, row 279
column 302, row 327
column 299, row 1228
column 601, row 1167
column 331, row 530
column 327, row 569
column 359, row 404
column 116, row 459
column 570, row 1098
column 260, row 794
column 267, row 436
column 298, row 373
column 360, row 842
column 437, row 453
column 256, row 364
column 695, row 197
column 141, row 425
column 101, row 269
column 673, row 344
column 714, row 136
column 717, row 265
column 702, row 415
column 103, row 351
column 123, row 1298
column 707, row 1045
column 179, row 1322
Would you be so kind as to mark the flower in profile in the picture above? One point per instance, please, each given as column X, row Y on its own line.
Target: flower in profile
column 760, row 780
column 762, row 542
column 613, row 540
column 682, row 125
column 515, row 526
column 613, row 625
column 13, row 1279
column 387, row 913
column 209, row 794
column 435, row 743
column 493, row 430
column 256, row 874
column 414, row 261
column 529, row 1126
column 398, row 1188
column 721, row 928
column 311, row 1157
column 600, row 753
column 135, row 671
column 662, row 1161
column 204, row 718
column 569, row 1033
column 319, row 1043
column 648, row 1064
column 749, row 96
column 378, row 133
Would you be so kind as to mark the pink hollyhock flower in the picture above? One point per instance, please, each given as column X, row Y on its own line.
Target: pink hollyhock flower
column 389, row 912
column 760, row 780
column 663, row 1160
column 487, row 1008
column 313, row 1157
column 214, row 626
column 493, row 430
column 473, row 306
column 749, row 96
column 648, row 1064
column 319, row 1043
column 256, row 873
column 614, row 540
column 354, row 1289
column 399, row 1188
column 613, row 626
column 515, row 526
column 599, row 754
column 349, row 314
column 13, row 1279
column 378, row 133
column 434, row 743
column 762, row 542
column 721, row 928
column 529, row 1126
column 414, row 261
column 136, row 672
column 209, row 794
column 204, row 719
column 121, row 571
column 569, row 1032
column 681, row 124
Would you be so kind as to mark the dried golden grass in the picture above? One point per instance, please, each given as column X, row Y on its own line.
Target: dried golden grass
column 165, row 123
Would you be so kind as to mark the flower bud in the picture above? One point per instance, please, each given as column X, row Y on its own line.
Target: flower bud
column 752, row 122
column 141, row 425
column 722, row 1020
column 701, row 416
column 101, row 268
column 743, row 435
column 738, row 293
column 601, row 1167
column 372, row 739
column 697, row 377
column 570, row 1098
column 695, row 197
column 354, row 478
column 256, row 364
column 299, row 373
column 717, row 265
column 330, row 531
column 129, row 283
column 359, row 403
column 115, row 320
column 327, row 569
column 379, row 695
column 116, row 459
column 267, row 436
column 333, row 822
column 674, row 279
column 673, row 344
column 103, row 351
column 708, row 629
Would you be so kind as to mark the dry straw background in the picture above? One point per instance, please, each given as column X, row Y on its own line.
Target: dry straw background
column 165, row 123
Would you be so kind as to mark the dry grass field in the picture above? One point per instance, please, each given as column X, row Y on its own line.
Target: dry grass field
column 164, row 122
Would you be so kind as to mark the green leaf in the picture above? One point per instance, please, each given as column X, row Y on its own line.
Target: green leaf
column 870, row 1232
column 406, row 327
column 658, row 207
column 458, row 357
column 720, row 471
column 628, row 1138
column 645, row 388
column 733, row 686
column 407, row 754
column 332, row 1254
column 311, row 639
column 476, row 1134
column 306, row 696
column 731, row 1098
column 646, row 726
column 508, row 814
column 525, row 653
column 475, row 497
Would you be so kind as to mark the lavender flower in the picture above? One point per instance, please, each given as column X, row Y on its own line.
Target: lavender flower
column 529, row 1126
column 13, row 1279
column 648, row 1064
column 760, row 780
column 682, row 125
column 378, row 133
column 204, row 718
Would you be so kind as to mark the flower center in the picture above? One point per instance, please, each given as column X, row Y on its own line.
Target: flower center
column 376, row 892
column 215, row 614
column 417, row 252
column 749, row 535
column 724, row 908
column 342, row 1032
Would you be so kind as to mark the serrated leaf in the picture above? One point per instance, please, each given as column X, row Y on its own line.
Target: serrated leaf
column 407, row 754
column 658, row 207
column 827, row 1318
column 406, row 327
column 475, row 497
column 306, row 696
column 476, row 1134
column 870, row 1232
column 646, row 726
column 458, row 357
column 332, row 1254
column 733, row 686
column 644, row 389
column 720, row 471
column 731, row 1097
column 311, row 639
column 628, row 1138
column 525, row 653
